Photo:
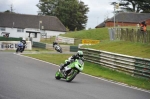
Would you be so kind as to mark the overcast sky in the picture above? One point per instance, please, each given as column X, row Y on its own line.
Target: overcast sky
column 98, row 9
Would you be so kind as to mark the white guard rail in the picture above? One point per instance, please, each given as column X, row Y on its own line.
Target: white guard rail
column 132, row 65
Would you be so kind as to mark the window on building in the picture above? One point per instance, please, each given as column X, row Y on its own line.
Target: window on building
column 20, row 30
column 2, row 29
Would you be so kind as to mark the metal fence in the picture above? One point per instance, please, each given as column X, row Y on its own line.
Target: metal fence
column 132, row 65
column 10, row 39
column 39, row 45
column 50, row 46
column 129, row 34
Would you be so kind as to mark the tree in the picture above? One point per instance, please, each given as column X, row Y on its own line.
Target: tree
column 144, row 5
column 139, row 6
column 71, row 13
column 7, row 11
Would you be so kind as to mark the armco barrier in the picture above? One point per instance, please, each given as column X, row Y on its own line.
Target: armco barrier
column 12, row 45
column 132, row 65
column 10, row 39
column 73, row 48
column 39, row 45
column 50, row 46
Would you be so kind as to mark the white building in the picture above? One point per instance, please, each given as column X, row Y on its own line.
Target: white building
column 30, row 26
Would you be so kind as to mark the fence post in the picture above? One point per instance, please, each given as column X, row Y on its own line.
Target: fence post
column 112, row 33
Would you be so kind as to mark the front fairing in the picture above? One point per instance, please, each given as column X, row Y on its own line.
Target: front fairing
column 78, row 64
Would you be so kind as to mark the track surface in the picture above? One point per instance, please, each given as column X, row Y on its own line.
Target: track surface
column 26, row 78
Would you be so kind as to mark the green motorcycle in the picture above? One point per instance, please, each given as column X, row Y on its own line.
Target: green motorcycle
column 69, row 72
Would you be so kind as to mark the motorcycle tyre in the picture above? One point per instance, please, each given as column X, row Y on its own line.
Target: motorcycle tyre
column 17, row 50
column 60, row 51
column 57, row 75
column 72, row 76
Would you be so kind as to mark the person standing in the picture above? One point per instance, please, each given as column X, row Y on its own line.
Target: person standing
column 143, row 30
column 143, row 26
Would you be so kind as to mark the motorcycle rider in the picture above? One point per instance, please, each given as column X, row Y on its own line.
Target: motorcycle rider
column 143, row 26
column 23, row 41
column 54, row 43
column 78, row 55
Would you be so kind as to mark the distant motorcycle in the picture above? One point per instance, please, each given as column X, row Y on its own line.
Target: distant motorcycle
column 19, row 48
column 69, row 72
column 58, row 48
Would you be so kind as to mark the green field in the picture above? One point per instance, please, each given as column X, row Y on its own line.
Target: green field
column 122, row 47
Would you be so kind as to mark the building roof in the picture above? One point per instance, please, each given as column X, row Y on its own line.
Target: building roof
column 128, row 17
column 131, row 17
column 100, row 25
column 14, row 20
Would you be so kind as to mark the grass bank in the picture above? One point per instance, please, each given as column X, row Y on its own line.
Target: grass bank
column 96, row 70
column 123, row 47
column 95, row 34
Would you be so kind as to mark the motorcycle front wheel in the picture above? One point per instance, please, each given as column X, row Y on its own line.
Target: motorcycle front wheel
column 17, row 50
column 57, row 75
column 71, row 76
column 60, row 50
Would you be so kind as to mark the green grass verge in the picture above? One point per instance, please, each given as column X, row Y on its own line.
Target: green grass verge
column 124, row 47
column 38, row 49
column 47, row 40
column 97, row 70
column 95, row 34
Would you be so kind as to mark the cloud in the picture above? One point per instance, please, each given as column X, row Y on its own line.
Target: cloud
column 20, row 6
column 98, row 11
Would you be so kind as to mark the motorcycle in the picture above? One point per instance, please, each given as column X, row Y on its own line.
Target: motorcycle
column 58, row 48
column 69, row 72
column 19, row 48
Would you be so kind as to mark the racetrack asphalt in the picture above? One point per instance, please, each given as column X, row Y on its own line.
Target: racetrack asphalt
column 26, row 78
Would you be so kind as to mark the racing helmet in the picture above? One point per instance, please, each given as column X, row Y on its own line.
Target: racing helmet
column 80, row 53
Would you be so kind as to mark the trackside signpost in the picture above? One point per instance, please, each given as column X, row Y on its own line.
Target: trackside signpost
column 90, row 42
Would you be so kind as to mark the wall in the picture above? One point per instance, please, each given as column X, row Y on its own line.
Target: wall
column 111, row 24
column 148, row 22
column 12, row 45
column 13, row 33
column 53, row 33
